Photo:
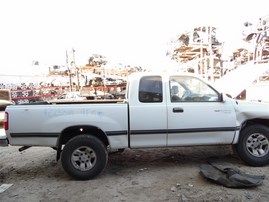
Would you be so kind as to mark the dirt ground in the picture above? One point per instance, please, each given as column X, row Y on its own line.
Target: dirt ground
column 169, row 174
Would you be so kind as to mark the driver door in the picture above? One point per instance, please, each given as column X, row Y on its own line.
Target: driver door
column 198, row 116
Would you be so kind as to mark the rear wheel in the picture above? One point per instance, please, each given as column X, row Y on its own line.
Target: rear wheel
column 84, row 157
column 253, row 146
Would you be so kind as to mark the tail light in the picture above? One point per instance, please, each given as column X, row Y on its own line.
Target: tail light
column 6, row 121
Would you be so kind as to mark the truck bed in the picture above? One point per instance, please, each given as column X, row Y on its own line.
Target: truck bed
column 40, row 124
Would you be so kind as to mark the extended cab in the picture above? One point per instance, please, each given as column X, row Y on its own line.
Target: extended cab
column 160, row 110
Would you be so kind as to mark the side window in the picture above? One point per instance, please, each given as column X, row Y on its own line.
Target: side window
column 191, row 89
column 150, row 89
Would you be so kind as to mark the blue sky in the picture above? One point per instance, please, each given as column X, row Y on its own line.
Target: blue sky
column 134, row 32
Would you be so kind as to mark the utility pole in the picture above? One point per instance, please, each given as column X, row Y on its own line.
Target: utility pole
column 77, row 69
column 69, row 72
column 211, row 54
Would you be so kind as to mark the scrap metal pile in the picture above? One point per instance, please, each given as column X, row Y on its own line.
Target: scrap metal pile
column 200, row 51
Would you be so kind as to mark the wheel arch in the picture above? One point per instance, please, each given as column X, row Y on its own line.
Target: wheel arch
column 250, row 122
column 247, row 123
column 73, row 131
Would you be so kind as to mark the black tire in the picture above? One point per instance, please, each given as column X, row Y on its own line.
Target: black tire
column 84, row 157
column 253, row 145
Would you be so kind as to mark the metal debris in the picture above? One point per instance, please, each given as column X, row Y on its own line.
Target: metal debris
column 4, row 187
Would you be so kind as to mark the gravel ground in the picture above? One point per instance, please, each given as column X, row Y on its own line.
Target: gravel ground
column 168, row 174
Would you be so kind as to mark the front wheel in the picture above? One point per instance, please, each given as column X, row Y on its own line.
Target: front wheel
column 84, row 157
column 253, row 145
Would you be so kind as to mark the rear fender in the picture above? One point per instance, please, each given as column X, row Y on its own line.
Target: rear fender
column 74, row 131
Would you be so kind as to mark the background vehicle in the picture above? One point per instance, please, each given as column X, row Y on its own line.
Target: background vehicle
column 72, row 96
column 5, row 100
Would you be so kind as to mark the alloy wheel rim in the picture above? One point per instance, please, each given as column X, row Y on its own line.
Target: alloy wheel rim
column 257, row 145
column 84, row 158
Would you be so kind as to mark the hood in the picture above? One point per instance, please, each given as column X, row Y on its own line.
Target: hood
column 234, row 82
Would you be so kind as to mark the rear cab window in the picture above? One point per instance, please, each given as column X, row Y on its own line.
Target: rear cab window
column 150, row 89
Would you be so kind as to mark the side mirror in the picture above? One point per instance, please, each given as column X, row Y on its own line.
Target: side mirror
column 221, row 98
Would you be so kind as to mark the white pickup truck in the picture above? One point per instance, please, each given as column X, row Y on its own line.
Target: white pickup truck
column 160, row 110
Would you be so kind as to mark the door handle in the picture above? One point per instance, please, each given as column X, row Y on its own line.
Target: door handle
column 178, row 110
